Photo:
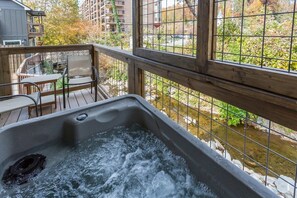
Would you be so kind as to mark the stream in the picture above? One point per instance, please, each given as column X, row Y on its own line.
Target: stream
column 235, row 137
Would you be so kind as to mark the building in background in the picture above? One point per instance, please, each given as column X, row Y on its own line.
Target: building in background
column 100, row 12
column 19, row 24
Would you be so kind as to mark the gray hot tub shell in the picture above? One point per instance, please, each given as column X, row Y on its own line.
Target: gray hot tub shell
column 64, row 128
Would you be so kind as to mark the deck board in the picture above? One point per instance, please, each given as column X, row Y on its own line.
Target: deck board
column 76, row 99
column 88, row 98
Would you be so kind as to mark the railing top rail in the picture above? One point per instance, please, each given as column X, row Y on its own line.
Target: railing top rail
column 53, row 48
column 250, row 98
column 214, row 86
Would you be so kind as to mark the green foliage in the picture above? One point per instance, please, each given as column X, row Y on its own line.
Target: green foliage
column 121, row 40
column 234, row 115
column 62, row 24
column 116, row 74
column 59, row 84
column 47, row 67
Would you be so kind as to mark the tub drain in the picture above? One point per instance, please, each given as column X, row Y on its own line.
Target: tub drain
column 24, row 169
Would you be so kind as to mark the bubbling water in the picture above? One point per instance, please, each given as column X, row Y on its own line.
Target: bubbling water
column 122, row 162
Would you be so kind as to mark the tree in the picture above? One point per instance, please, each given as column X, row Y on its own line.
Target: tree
column 62, row 23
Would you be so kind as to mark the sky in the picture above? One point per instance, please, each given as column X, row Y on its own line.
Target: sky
column 80, row 2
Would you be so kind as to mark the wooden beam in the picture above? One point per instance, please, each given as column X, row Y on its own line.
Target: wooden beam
column 176, row 60
column 277, row 82
column 203, row 35
column 139, row 81
column 136, row 19
column 278, row 108
column 131, row 78
column 274, row 112
column 40, row 49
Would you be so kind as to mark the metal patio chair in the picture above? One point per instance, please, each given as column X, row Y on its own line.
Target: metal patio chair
column 12, row 102
column 79, row 71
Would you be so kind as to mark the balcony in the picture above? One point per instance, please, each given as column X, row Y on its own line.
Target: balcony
column 34, row 25
column 192, row 76
column 35, row 30
column 170, row 89
column 117, row 3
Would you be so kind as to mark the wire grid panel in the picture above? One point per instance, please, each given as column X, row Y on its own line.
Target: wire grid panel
column 40, row 64
column 113, row 75
column 169, row 25
column 256, row 33
column 265, row 150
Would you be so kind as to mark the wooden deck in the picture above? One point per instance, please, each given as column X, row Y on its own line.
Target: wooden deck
column 76, row 99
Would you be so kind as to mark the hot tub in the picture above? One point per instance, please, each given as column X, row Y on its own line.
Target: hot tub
column 67, row 129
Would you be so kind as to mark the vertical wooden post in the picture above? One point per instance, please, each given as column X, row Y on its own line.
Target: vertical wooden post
column 96, row 59
column 139, row 81
column 137, row 36
column 135, row 79
column 5, row 73
column 213, row 12
column 92, row 53
column 131, row 78
column 203, row 39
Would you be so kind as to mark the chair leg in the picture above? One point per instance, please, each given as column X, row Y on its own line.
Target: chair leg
column 91, row 87
column 29, row 112
column 96, row 91
column 64, row 99
column 36, row 110
column 40, row 106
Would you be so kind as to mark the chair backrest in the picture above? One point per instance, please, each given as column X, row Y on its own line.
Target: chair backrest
column 80, row 65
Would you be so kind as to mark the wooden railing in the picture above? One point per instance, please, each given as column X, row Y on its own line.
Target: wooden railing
column 281, row 109
column 278, row 108
column 265, row 113
column 12, row 58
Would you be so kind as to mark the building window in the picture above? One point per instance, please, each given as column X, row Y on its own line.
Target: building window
column 12, row 42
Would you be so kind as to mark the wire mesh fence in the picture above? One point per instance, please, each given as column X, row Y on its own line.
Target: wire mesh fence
column 265, row 150
column 113, row 75
column 169, row 25
column 36, row 64
column 256, row 33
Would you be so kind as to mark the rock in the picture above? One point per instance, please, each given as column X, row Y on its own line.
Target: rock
column 227, row 155
column 163, row 111
column 273, row 189
column 257, row 177
column 172, row 91
column 285, row 185
column 219, row 152
column 219, row 145
column 271, row 180
column 106, row 88
column 190, row 120
column 121, row 87
column 187, row 119
column 250, row 163
column 212, row 145
column 203, row 141
column 149, row 97
column 237, row 163
column 248, row 171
